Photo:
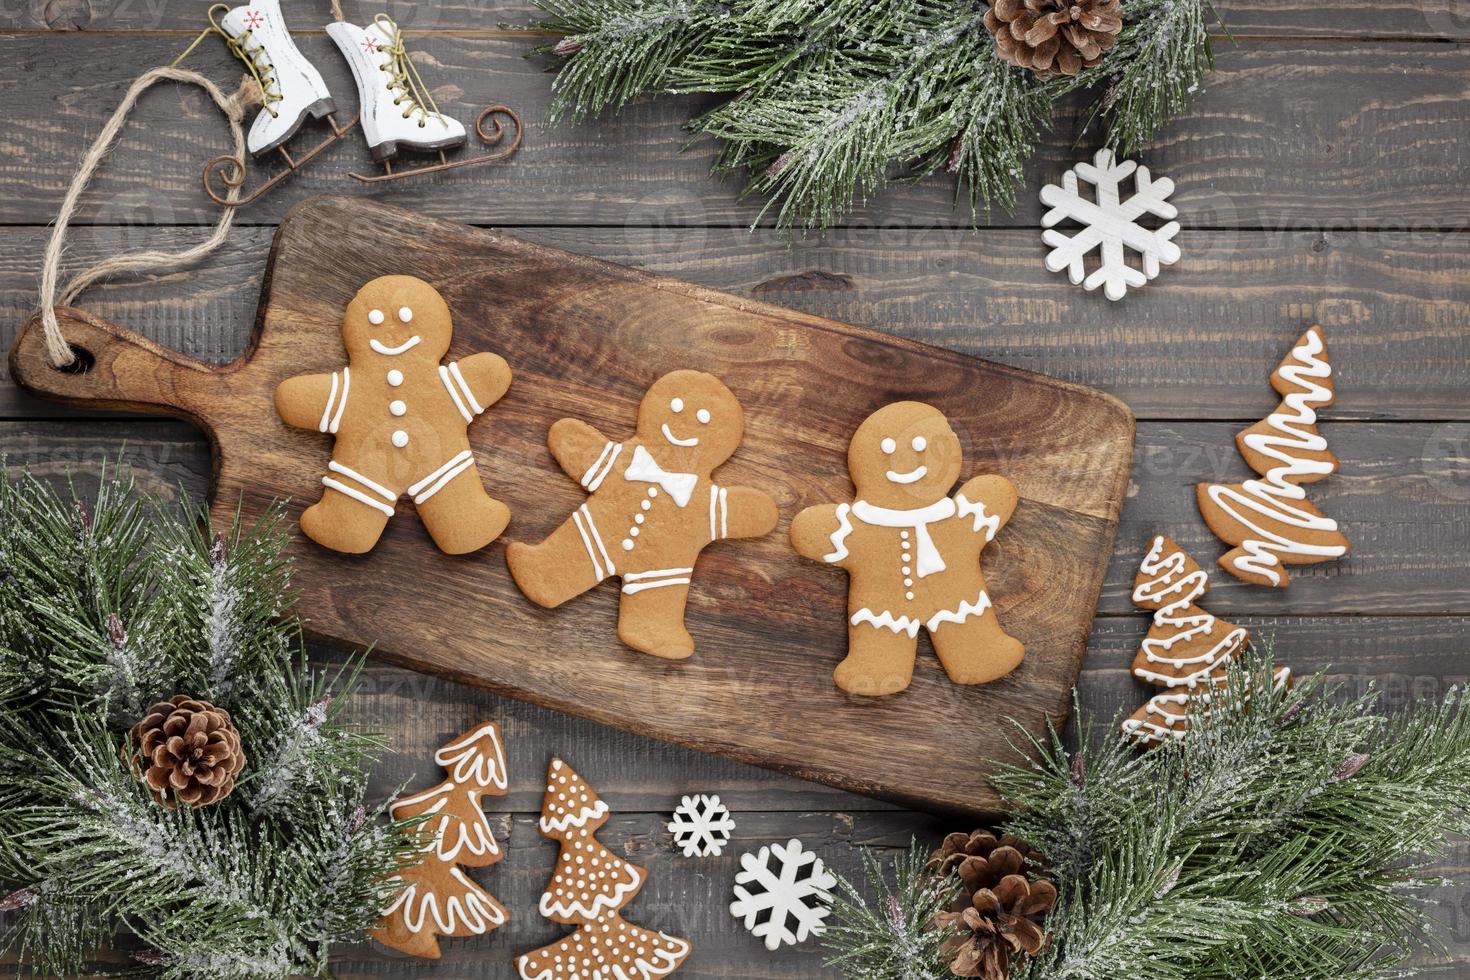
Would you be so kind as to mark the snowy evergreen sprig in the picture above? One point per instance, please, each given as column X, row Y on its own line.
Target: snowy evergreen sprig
column 885, row 931
column 827, row 100
column 105, row 609
column 1285, row 839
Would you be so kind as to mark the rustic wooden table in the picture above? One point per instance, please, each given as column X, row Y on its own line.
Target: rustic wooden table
column 1321, row 177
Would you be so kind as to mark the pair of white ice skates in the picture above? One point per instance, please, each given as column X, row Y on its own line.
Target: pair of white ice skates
column 395, row 108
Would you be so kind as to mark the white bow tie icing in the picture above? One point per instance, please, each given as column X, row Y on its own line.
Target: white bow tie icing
column 929, row 561
column 643, row 469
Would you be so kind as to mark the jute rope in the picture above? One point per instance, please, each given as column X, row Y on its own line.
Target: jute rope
column 233, row 106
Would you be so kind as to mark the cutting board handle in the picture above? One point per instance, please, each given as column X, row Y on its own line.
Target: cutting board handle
column 116, row 368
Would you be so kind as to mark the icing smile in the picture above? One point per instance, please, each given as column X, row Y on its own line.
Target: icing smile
column 909, row 477
column 408, row 344
column 669, row 435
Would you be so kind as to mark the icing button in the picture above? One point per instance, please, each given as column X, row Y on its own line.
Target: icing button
column 653, row 491
column 638, row 518
column 645, row 505
column 395, row 377
column 400, row 438
column 398, row 408
column 632, row 532
column 908, row 582
column 908, row 595
column 627, row 544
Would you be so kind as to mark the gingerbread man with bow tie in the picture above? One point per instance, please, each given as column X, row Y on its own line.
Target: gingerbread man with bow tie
column 653, row 508
column 913, row 554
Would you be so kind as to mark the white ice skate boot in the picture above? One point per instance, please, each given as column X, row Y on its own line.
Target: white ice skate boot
column 292, row 87
column 396, row 109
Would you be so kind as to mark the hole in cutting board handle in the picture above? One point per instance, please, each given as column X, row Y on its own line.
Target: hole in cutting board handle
column 84, row 362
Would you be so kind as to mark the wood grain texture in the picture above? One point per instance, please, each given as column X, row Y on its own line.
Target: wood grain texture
column 585, row 340
column 1191, row 345
column 1350, row 19
column 1313, row 136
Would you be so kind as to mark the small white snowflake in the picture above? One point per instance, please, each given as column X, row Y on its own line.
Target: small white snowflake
column 798, row 889
column 1110, row 223
column 701, row 825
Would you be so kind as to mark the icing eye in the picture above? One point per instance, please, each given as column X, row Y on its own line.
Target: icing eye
column 703, row 416
column 375, row 317
column 677, row 405
column 920, row 444
column 888, row 446
column 405, row 314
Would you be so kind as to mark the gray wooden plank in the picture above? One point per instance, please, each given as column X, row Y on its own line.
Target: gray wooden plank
column 1309, row 136
column 1426, row 19
column 1397, row 309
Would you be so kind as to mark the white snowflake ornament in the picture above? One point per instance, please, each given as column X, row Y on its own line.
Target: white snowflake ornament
column 1109, row 224
column 701, row 825
column 798, row 890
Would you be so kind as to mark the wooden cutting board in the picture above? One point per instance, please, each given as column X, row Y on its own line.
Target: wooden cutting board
column 585, row 339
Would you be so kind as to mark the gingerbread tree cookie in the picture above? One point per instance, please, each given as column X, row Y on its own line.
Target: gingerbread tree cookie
column 654, row 507
column 1270, row 521
column 438, row 898
column 913, row 554
column 399, row 418
column 588, row 888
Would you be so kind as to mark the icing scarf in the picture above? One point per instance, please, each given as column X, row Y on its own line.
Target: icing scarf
column 918, row 520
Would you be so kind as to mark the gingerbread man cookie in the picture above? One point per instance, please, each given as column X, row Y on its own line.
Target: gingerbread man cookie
column 913, row 554
column 653, row 508
column 399, row 418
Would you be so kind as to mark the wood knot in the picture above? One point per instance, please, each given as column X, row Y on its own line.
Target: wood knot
column 804, row 282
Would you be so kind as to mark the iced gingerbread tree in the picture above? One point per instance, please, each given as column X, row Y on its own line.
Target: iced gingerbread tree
column 437, row 898
column 588, row 889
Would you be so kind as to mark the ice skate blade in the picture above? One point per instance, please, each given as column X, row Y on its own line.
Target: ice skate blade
column 385, row 152
column 231, row 169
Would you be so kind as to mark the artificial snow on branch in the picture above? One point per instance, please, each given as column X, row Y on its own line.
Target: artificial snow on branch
column 107, row 607
column 827, row 100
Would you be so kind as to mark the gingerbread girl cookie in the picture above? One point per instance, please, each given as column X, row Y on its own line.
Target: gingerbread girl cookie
column 399, row 418
column 913, row 554
column 653, row 507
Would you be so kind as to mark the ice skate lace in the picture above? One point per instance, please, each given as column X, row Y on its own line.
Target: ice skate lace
column 405, row 79
column 262, row 71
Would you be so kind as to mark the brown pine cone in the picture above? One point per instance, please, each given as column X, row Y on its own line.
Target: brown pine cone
column 188, row 752
column 1054, row 36
column 999, row 910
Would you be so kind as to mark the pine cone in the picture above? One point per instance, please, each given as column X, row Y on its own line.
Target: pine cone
column 188, row 752
column 1000, row 908
column 1054, row 36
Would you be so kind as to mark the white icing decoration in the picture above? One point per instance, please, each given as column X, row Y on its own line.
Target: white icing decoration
column 643, row 469
column 375, row 317
column 886, row 620
column 839, row 536
column 465, row 389
column 400, row 438
column 669, row 435
column 888, row 446
column 405, row 314
column 677, row 405
column 466, row 762
column 1294, row 419
column 327, row 412
column 398, row 407
column 912, row 476
column 582, row 517
column 395, row 377
column 377, row 488
column 342, row 402
column 454, row 395
column 473, row 910
column 703, row 415
column 963, row 612
column 559, row 825
column 634, row 587
column 916, row 520
column 465, row 462
column 990, row 522
column 407, row 345
column 358, row 495
column 627, row 544
column 920, row 444
column 602, row 466
column 1177, row 616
